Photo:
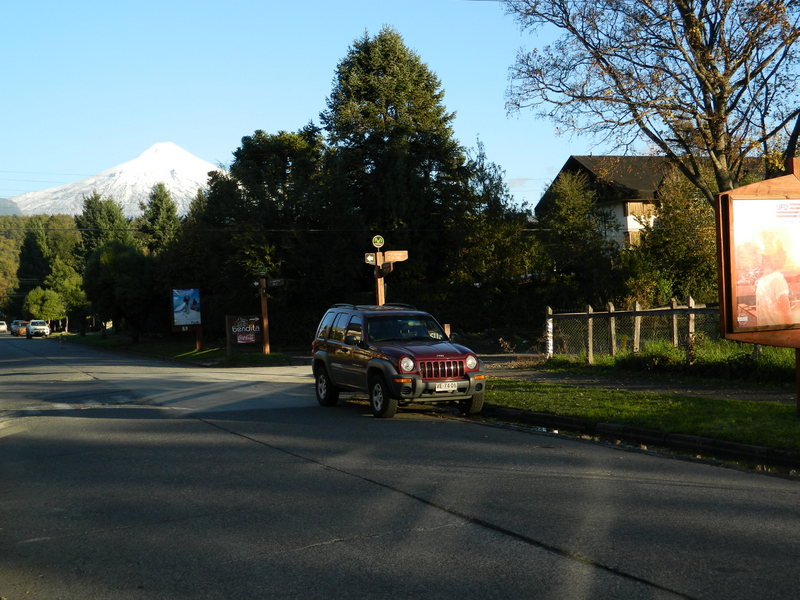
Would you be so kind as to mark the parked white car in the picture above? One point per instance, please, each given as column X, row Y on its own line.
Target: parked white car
column 37, row 328
column 3, row 327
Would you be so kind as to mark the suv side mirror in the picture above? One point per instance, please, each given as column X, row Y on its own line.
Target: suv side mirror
column 352, row 340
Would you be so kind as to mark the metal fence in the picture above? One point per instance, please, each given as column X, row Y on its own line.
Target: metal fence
column 612, row 331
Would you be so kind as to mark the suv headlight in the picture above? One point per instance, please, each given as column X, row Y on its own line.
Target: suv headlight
column 407, row 364
column 472, row 362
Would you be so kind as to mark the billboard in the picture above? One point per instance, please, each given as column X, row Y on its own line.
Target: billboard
column 185, row 307
column 765, row 264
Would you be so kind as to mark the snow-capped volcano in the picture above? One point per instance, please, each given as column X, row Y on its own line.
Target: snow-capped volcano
column 127, row 184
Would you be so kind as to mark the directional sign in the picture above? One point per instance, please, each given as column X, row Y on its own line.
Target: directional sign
column 395, row 255
column 369, row 258
column 377, row 241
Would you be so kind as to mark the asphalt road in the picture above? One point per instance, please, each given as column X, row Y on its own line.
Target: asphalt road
column 123, row 478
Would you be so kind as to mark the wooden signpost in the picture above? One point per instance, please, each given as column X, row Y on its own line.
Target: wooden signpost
column 383, row 264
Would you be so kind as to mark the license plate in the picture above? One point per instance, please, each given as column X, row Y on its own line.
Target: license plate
column 447, row 386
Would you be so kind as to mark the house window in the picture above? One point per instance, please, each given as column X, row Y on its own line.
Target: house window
column 639, row 209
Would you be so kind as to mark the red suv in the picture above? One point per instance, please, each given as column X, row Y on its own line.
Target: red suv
column 397, row 355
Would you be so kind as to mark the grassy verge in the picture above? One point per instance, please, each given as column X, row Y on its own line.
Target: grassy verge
column 711, row 359
column 181, row 350
column 760, row 423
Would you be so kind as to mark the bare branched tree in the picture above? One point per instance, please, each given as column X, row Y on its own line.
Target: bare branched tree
column 707, row 82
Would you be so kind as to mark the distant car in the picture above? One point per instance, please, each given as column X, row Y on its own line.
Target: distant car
column 37, row 328
column 3, row 327
column 16, row 325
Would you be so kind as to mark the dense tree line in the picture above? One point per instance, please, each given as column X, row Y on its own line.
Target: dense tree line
column 302, row 207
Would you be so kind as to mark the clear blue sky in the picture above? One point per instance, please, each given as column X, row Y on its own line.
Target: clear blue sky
column 88, row 85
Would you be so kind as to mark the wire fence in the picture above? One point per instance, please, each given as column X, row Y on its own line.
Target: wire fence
column 612, row 331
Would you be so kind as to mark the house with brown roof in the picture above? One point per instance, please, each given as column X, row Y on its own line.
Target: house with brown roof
column 626, row 188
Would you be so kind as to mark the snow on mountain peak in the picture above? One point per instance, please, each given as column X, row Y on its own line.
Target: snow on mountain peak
column 128, row 183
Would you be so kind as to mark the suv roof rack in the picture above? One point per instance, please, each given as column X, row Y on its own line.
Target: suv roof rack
column 374, row 306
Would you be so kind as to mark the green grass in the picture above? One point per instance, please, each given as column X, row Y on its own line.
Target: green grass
column 759, row 423
column 181, row 349
column 718, row 359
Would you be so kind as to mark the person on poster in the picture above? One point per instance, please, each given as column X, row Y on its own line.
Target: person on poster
column 772, row 289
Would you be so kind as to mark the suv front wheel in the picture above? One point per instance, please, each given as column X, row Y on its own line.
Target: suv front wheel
column 327, row 393
column 472, row 405
column 382, row 404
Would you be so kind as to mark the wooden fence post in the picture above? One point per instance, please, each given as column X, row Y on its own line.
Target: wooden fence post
column 612, row 329
column 548, row 333
column 690, row 349
column 589, row 335
column 673, row 304
column 637, row 327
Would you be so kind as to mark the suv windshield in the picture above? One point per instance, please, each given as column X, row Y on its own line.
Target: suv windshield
column 398, row 327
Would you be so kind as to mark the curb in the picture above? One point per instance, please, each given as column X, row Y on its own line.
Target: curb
column 641, row 435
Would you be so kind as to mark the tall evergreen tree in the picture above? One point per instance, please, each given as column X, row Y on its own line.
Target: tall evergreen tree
column 159, row 220
column 63, row 239
column 34, row 263
column 395, row 166
column 100, row 222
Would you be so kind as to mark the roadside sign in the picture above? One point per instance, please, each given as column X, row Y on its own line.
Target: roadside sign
column 395, row 255
column 377, row 241
column 369, row 258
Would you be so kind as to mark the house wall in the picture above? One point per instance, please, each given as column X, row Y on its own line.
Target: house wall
column 630, row 217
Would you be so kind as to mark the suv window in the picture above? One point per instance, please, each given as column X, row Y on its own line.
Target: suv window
column 337, row 331
column 353, row 334
column 398, row 327
column 325, row 325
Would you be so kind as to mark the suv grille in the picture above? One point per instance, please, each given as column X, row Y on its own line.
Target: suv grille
column 441, row 369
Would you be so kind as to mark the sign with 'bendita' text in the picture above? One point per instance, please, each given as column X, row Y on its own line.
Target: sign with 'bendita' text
column 245, row 329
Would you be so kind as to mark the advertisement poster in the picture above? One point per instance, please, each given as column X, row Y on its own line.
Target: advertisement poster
column 185, row 307
column 766, row 264
column 245, row 330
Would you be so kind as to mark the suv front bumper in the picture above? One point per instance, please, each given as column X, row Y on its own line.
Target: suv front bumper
column 413, row 387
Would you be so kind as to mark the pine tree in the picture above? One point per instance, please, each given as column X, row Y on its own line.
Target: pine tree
column 159, row 220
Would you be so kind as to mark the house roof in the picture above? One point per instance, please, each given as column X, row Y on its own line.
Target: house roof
column 628, row 176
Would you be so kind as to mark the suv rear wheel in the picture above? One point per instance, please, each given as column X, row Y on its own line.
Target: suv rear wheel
column 382, row 404
column 327, row 393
